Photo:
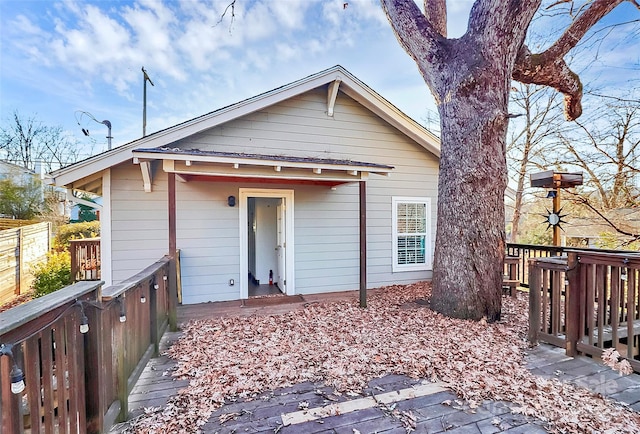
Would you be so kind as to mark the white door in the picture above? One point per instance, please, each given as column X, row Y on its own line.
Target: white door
column 284, row 272
column 281, row 245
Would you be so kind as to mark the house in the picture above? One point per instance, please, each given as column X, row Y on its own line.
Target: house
column 271, row 189
column 16, row 173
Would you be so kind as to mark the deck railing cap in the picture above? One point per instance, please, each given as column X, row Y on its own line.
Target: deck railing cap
column 117, row 290
column 22, row 314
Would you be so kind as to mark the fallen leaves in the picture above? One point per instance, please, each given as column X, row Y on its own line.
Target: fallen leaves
column 227, row 417
column 611, row 357
column 345, row 346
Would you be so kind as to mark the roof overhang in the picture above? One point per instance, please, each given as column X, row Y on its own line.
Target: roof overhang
column 196, row 165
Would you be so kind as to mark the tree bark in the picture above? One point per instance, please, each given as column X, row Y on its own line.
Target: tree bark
column 469, row 254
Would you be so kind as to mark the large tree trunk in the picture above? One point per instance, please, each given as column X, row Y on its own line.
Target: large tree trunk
column 469, row 78
column 467, row 280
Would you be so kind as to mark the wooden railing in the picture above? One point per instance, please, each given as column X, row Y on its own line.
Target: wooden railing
column 85, row 259
column 587, row 302
column 526, row 252
column 78, row 380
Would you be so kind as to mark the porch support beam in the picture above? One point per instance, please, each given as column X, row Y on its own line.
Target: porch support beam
column 363, row 244
column 173, row 272
column 332, row 95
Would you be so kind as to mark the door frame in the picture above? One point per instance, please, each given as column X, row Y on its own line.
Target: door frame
column 244, row 194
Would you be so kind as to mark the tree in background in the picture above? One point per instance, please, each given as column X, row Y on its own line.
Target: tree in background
column 21, row 200
column 85, row 212
column 606, row 147
column 529, row 136
column 470, row 78
column 26, row 142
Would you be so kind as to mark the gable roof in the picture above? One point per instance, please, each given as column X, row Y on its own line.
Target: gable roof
column 7, row 167
column 348, row 84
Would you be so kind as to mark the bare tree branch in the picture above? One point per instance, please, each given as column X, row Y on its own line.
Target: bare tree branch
column 416, row 34
column 436, row 13
column 530, row 70
column 584, row 201
column 548, row 68
column 578, row 28
column 231, row 5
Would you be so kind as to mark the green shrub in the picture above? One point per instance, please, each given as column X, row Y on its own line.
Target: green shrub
column 53, row 274
column 75, row 231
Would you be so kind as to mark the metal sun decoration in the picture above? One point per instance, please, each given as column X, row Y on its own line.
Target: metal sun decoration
column 554, row 219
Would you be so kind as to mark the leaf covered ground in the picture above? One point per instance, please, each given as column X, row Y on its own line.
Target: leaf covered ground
column 344, row 346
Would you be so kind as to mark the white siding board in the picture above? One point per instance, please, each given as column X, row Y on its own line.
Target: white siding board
column 157, row 246
column 206, row 258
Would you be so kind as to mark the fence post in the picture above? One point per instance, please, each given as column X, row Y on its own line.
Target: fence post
column 534, row 301
column 95, row 373
column 153, row 315
column 173, row 293
column 573, row 303
column 11, row 421
column 120, row 344
column 20, row 287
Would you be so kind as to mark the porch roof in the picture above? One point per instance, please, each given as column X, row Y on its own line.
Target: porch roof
column 195, row 164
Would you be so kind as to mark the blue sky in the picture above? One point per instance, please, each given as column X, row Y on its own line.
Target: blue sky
column 61, row 57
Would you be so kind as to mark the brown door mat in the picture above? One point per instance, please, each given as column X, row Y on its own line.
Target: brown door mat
column 272, row 300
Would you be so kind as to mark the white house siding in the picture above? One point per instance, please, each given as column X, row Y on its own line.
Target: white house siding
column 139, row 227
column 207, row 232
column 326, row 221
column 208, row 239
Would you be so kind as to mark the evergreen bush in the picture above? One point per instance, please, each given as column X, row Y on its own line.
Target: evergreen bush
column 75, row 231
column 53, row 274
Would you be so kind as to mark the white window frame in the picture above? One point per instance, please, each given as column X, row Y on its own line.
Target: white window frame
column 427, row 235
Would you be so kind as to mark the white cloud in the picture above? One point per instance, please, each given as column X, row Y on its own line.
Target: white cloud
column 23, row 25
column 97, row 46
column 290, row 13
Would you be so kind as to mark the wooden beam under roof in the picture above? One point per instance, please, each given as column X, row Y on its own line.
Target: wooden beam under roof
column 332, row 95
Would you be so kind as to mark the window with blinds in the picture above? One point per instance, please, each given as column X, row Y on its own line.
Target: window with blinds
column 411, row 234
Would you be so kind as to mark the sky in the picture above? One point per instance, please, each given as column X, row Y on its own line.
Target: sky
column 66, row 62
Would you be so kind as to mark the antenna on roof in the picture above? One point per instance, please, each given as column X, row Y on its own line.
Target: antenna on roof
column 85, row 131
column 145, row 78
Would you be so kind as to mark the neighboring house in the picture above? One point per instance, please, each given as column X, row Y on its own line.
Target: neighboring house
column 18, row 175
column 273, row 184
column 21, row 176
column 14, row 172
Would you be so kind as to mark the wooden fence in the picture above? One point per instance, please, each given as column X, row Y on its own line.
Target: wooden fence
column 78, row 380
column 85, row 259
column 6, row 223
column 587, row 302
column 528, row 251
column 20, row 249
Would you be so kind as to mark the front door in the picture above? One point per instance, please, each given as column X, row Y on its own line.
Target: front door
column 283, row 275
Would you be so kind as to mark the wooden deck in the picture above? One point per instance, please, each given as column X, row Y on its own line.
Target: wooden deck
column 156, row 385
